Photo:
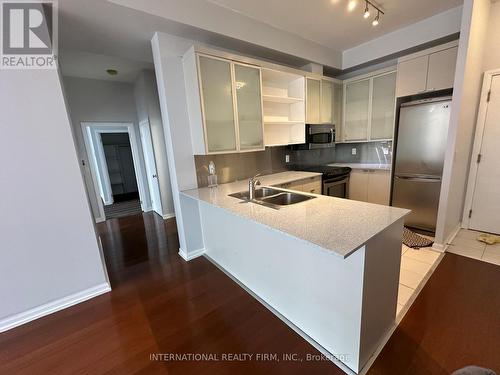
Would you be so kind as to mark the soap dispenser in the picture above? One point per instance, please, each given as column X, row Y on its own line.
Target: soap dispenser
column 212, row 175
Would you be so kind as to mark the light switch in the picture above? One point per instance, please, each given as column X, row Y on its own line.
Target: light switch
column 354, row 151
column 287, row 158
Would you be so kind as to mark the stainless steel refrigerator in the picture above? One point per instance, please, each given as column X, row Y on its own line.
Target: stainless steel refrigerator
column 419, row 159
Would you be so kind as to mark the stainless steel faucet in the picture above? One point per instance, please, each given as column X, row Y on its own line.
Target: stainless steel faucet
column 252, row 182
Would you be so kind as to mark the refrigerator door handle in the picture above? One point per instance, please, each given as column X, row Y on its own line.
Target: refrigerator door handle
column 420, row 179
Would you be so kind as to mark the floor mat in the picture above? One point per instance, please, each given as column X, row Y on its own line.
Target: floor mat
column 414, row 240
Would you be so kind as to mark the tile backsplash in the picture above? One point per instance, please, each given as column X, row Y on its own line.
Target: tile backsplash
column 366, row 152
column 240, row 166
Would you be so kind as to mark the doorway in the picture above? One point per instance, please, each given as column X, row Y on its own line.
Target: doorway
column 114, row 160
column 482, row 205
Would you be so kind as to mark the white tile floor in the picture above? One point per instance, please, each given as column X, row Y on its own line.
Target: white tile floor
column 415, row 266
column 465, row 244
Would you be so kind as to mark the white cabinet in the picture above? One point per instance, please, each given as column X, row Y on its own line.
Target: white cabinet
column 442, row 69
column 284, row 108
column 308, row 185
column 383, row 106
column 427, row 72
column 217, row 104
column 249, row 107
column 372, row 186
column 357, row 101
column 412, row 76
column 322, row 101
column 313, row 100
column 224, row 103
column 369, row 108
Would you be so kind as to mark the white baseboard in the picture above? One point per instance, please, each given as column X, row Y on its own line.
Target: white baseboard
column 52, row 307
column 168, row 216
column 442, row 247
column 191, row 255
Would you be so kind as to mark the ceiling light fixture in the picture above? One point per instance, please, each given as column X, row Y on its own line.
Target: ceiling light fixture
column 112, row 72
column 367, row 11
column 351, row 5
column 376, row 20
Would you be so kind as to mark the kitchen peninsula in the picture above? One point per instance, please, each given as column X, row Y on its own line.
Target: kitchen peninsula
column 328, row 267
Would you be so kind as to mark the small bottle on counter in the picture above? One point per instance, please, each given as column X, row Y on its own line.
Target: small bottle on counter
column 212, row 175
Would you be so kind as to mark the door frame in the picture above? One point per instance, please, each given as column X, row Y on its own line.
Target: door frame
column 478, row 141
column 92, row 134
column 146, row 137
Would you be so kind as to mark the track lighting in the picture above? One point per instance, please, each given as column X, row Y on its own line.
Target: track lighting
column 352, row 4
column 367, row 11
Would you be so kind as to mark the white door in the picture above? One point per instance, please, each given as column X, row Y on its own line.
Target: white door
column 485, row 215
column 149, row 159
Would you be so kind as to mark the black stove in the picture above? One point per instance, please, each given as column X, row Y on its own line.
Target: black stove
column 327, row 170
column 335, row 179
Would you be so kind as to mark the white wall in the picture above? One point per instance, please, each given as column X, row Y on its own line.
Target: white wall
column 148, row 107
column 49, row 248
column 167, row 54
column 491, row 59
column 91, row 100
column 432, row 28
column 467, row 89
column 206, row 15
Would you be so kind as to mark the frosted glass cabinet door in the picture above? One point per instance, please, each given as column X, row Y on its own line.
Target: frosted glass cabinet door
column 356, row 111
column 326, row 101
column 217, row 96
column 383, row 104
column 313, row 101
column 249, row 104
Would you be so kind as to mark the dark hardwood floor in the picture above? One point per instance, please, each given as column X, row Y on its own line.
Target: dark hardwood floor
column 162, row 304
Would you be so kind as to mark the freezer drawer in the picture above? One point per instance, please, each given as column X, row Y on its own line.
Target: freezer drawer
column 421, row 196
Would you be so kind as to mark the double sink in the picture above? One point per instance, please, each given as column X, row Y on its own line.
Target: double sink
column 271, row 197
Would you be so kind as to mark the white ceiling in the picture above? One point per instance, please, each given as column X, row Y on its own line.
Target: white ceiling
column 302, row 30
column 94, row 66
column 329, row 23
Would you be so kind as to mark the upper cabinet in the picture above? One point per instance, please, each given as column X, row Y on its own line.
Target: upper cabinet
column 369, row 108
column 218, row 104
column 427, row 71
column 224, row 104
column 249, row 107
column 323, row 101
column 313, row 101
column 284, row 107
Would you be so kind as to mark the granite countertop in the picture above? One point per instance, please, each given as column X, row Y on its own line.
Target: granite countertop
column 339, row 226
column 371, row 166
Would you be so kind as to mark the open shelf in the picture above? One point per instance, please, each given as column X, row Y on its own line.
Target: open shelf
column 281, row 99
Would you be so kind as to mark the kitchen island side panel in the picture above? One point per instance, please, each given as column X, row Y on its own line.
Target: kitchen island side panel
column 380, row 288
column 318, row 291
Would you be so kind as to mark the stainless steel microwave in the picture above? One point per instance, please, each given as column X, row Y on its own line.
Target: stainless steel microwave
column 320, row 136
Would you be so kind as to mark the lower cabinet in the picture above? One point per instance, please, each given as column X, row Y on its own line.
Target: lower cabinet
column 372, row 186
column 309, row 185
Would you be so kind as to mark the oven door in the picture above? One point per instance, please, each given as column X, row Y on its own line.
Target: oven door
column 336, row 187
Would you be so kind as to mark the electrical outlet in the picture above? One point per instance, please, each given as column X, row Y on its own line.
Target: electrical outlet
column 287, row 158
column 354, row 151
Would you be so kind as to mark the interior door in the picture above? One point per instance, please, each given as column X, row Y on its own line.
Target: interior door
column 486, row 201
column 149, row 159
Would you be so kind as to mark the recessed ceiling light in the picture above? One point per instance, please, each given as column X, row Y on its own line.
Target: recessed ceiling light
column 351, row 5
column 112, row 72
